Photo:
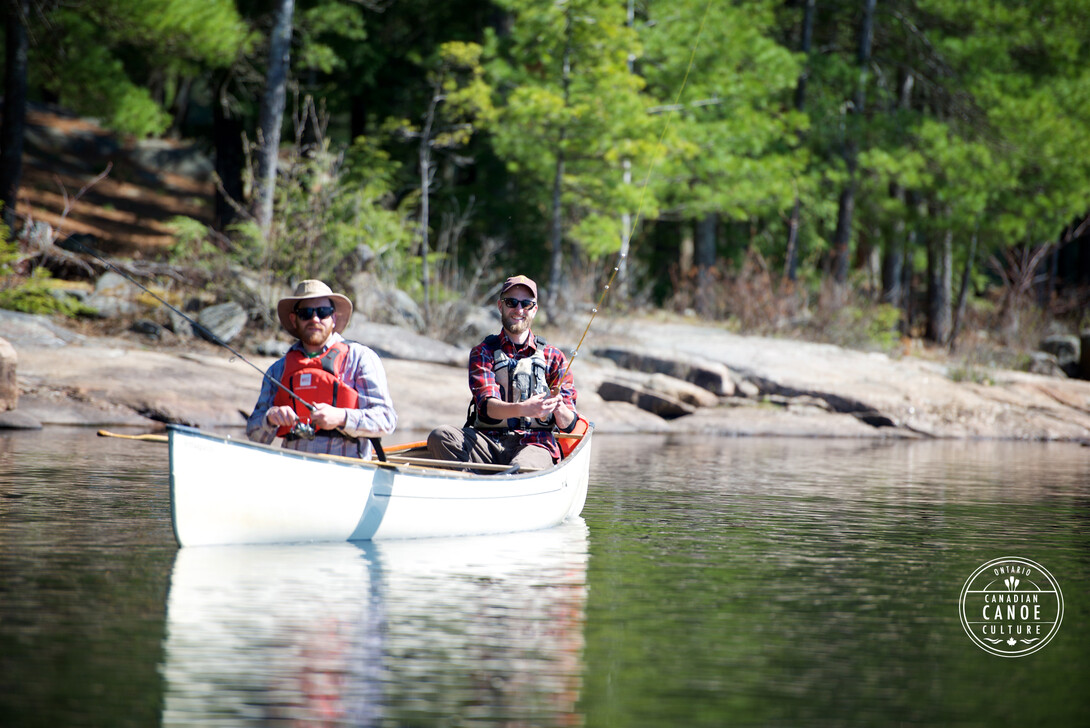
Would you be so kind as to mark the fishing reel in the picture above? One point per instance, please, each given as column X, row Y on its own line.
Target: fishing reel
column 302, row 430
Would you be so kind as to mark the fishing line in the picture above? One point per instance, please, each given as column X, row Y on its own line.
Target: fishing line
column 199, row 327
column 300, row 429
column 643, row 191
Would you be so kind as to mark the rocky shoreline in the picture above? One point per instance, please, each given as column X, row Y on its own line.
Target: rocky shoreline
column 633, row 375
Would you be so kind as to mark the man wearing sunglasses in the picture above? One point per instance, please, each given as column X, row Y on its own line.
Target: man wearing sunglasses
column 518, row 396
column 343, row 380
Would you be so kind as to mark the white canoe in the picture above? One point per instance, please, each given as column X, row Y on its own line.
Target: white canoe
column 225, row 491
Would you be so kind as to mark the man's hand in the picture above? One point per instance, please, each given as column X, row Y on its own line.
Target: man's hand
column 540, row 406
column 324, row 417
column 328, row 417
column 281, row 416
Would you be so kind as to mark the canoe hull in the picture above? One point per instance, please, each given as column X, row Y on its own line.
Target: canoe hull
column 226, row 491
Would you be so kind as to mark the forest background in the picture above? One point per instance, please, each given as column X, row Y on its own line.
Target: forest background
column 857, row 171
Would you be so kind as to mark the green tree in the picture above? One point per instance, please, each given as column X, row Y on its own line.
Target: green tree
column 459, row 105
column 100, row 57
column 729, row 151
column 570, row 114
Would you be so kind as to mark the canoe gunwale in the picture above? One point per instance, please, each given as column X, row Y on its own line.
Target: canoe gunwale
column 416, row 470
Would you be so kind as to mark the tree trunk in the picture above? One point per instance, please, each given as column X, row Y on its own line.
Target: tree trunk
column 895, row 252
column 272, row 113
column 556, row 230
column 556, row 233
column 845, row 212
column 179, row 109
column 230, row 156
column 357, row 122
column 939, row 287
column 425, row 171
column 626, row 178
column 705, row 261
column 804, row 47
column 963, row 293
column 791, row 258
column 842, row 237
column 626, row 239
column 15, row 89
column 908, row 300
column 892, row 266
column 686, row 251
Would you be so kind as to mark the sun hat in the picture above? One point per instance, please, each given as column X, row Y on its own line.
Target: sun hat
column 312, row 288
column 518, row 281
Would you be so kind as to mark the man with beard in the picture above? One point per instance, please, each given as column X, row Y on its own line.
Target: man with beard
column 518, row 395
column 343, row 380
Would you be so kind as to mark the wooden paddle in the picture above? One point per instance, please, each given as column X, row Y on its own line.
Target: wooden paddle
column 145, row 438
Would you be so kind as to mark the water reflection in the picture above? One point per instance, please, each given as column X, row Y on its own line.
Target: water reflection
column 483, row 628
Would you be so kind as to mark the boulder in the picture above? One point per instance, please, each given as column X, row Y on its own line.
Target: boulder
column 113, row 296
column 9, row 388
column 477, row 322
column 28, row 329
column 376, row 302
column 710, row 375
column 1066, row 350
column 272, row 347
column 393, row 342
column 224, row 320
column 18, row 420
column 180, row 325
column 659, row 394
column 1041, row 362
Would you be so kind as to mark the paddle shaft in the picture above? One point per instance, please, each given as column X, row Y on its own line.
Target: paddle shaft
column 145, row 438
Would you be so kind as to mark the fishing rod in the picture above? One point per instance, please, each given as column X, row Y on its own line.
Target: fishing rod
column 300, row 429
column 643, row 194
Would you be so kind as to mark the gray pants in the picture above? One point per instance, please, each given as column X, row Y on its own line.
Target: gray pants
column 470, row 446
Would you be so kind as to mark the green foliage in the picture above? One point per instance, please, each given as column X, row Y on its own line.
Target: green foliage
column 321, row 217
column 36, row 294
column 329, row 202
column 727, row 140
column 684, row 113
column 861, row 325
column 101, row 53
column 322, row 28
column 9, row 252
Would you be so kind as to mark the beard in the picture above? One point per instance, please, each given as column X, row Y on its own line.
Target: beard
column 512, row 326
column 314, row 337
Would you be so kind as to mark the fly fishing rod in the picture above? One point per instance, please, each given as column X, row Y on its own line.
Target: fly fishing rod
column 643, row 194
column 300, row 429
column 200, row 328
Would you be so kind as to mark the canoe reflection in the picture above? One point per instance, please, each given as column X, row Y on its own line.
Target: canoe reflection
column 486, row 627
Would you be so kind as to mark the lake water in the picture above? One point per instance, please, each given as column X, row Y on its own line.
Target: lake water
column 711, row 582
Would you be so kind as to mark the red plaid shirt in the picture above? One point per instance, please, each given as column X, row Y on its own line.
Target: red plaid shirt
column 482, row 382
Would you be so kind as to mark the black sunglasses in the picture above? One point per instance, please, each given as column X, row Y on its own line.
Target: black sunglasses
column 526, row 303
column 307, row 312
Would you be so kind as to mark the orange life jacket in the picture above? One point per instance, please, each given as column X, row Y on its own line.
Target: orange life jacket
column 316, row 379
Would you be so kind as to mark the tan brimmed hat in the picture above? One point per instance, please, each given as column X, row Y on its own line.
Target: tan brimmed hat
column 314, row 289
